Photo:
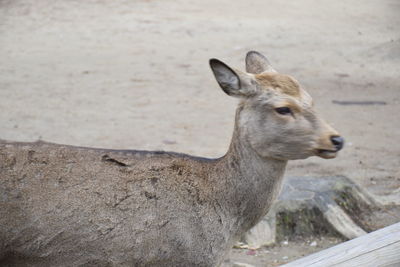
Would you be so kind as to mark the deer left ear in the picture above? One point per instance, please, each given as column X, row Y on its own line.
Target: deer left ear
column 232, row 82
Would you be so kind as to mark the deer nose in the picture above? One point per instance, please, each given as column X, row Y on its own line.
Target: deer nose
column 338, row 142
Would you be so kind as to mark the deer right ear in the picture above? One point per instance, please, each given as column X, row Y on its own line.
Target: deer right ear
column 234, row 83
column 257, row 63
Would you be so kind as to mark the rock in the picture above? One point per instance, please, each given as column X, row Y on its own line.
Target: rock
column 263, row 234
column 310, row 206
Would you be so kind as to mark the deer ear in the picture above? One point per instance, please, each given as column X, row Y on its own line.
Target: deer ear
column 234, row 83
column 257, row 63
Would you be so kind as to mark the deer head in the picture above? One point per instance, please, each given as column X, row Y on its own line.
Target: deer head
column 276, row 116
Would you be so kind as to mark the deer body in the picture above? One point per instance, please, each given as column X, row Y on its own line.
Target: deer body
column 70, row 206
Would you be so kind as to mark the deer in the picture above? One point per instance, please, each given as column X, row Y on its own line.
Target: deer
column 74, row 206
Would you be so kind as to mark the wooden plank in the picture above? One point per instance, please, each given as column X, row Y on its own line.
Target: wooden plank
column 379, row 248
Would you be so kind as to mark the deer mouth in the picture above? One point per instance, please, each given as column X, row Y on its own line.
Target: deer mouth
column 326, row 154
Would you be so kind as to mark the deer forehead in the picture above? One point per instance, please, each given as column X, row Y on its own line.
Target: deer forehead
column 280, row 82
column 284, row 86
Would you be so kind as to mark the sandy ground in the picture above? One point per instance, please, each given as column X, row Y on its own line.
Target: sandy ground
column 135, row 75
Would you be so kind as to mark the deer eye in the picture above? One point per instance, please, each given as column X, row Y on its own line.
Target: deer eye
column 284, row 110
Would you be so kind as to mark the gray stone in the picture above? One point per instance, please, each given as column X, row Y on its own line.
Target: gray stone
column 311, row 205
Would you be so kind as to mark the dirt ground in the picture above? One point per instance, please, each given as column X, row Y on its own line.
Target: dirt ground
column 134, row 74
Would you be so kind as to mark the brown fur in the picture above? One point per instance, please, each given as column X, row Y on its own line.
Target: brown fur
column 280, row 82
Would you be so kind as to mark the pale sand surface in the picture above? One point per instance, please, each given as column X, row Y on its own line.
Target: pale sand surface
column 135, row 75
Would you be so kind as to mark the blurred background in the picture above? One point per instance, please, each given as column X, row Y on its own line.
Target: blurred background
column 135, row 75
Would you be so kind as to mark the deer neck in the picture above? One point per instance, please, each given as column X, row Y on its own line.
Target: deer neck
column 256, row 180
